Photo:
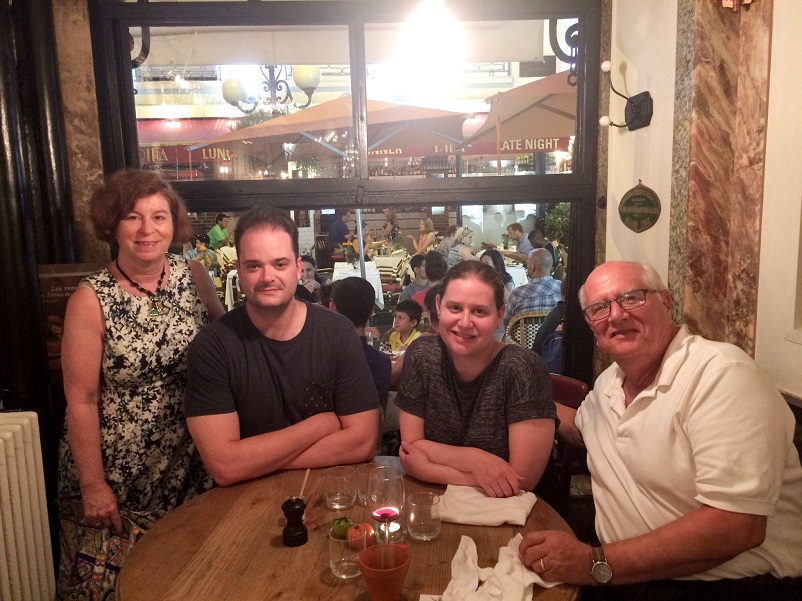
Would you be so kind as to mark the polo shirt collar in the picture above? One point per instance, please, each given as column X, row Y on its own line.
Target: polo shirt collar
column 674, row 358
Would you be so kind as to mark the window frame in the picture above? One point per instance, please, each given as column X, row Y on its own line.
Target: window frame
column 110, row 23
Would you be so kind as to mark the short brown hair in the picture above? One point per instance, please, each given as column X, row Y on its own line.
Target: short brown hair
column 116, row 198
column 269, row 218
column 516, row 227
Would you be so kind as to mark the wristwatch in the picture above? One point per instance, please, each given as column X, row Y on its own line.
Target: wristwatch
column 600, row 570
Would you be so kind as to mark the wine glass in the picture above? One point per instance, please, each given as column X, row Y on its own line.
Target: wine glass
column 385, row 498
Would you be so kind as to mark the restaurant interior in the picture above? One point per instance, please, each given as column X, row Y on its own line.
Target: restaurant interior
column 457, row 110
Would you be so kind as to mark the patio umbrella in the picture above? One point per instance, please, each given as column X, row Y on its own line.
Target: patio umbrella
column 317, row 123
column 535, row 117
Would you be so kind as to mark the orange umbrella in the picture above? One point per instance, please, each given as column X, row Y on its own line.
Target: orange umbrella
column 336, row 114
column 535, row 117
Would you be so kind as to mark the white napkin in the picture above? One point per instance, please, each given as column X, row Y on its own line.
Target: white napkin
column 469, row 505
column 510, row 580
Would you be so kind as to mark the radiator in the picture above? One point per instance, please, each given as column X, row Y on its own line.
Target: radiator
column 26, row 557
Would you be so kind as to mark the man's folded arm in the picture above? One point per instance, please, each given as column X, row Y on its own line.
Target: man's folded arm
column 356, row 440
column 230, row 459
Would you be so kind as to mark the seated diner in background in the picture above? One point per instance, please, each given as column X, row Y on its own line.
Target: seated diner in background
column 522, row 244
column 419, row 282
column 339, row 232
column 426, row 239
column 278, row 383
column 463, row 247
column 695, row 477
column 444, row 246
column 494, row 258
column 474, row 411
column 218, row 235
column 310, row 279
column 369, row 243
column 353, row 298
column 540, row 293
column 390, row 227
column 435, row 267
column 430, row 311
column 203, row 254
column 407, row 318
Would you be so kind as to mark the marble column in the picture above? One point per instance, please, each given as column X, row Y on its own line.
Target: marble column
column 719, row 149
column 79, row 103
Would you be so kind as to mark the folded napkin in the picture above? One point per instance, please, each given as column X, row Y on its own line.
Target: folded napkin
column 510, row 580
column 469, row 505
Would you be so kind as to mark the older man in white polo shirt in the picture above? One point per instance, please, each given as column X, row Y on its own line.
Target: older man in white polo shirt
column 696, row 480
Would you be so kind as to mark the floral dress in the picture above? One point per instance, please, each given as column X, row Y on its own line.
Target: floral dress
column 149, row 459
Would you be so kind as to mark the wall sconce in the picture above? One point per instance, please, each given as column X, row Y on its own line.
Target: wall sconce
column 638, row 110
column 274, row 92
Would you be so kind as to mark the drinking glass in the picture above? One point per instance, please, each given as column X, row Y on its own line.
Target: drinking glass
column 344, row 552
column 340, row 487
column 423, row 516
column 385, row 499
column 362, row 476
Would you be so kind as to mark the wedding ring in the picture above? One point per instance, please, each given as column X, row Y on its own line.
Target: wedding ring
column 542, row 565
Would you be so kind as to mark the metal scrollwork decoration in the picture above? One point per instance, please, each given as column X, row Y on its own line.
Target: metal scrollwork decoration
column 144, row 51
column 572, row 41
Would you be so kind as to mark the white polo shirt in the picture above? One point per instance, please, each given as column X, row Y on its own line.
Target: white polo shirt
column 711, row 429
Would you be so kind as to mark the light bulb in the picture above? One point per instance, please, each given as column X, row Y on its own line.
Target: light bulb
column 606, row 66
column 605, row 121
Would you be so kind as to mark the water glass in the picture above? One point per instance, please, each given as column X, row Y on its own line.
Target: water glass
column 340, row 487
column 423, row 515
column 362, row 473
column 344, row 552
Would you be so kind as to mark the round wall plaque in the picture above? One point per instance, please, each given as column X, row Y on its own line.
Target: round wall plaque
column 640, row 208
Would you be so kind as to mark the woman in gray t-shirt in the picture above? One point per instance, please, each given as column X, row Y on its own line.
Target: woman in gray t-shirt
column 474, row 411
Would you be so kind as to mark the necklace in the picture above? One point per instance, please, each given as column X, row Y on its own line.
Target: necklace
column 156, row 303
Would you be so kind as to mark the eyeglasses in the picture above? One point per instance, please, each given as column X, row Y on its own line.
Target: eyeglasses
column 626, row 300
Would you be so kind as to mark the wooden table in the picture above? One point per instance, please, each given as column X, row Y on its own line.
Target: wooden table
column 226, row 544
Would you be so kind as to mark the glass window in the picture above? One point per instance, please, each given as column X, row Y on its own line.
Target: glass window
column 245, row 103
column 479, row 98
column 237, row 103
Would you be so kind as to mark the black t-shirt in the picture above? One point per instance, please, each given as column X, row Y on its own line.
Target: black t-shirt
column 380, row 368
column 274, row 384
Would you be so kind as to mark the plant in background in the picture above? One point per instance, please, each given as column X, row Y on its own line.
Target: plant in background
column 398, row 241
column 557, row 223
column 349, row 252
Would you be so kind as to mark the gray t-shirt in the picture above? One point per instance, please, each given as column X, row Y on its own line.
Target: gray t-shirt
column 274, row 384
column 515, row 387
column 412, row 289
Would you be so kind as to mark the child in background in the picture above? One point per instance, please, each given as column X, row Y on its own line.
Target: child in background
column 203, row 254
column 407, row 316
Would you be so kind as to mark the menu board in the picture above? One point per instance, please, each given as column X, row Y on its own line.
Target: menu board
column 56, row 283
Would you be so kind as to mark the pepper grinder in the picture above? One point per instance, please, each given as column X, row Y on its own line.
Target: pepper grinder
column 294, row 533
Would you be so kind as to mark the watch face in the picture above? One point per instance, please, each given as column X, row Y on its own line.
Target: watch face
column 601, row 572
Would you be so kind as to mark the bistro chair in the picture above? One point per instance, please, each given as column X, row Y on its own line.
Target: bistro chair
column 523, row 327
column 569, row 392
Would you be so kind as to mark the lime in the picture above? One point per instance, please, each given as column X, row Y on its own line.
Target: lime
column 339, row 527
